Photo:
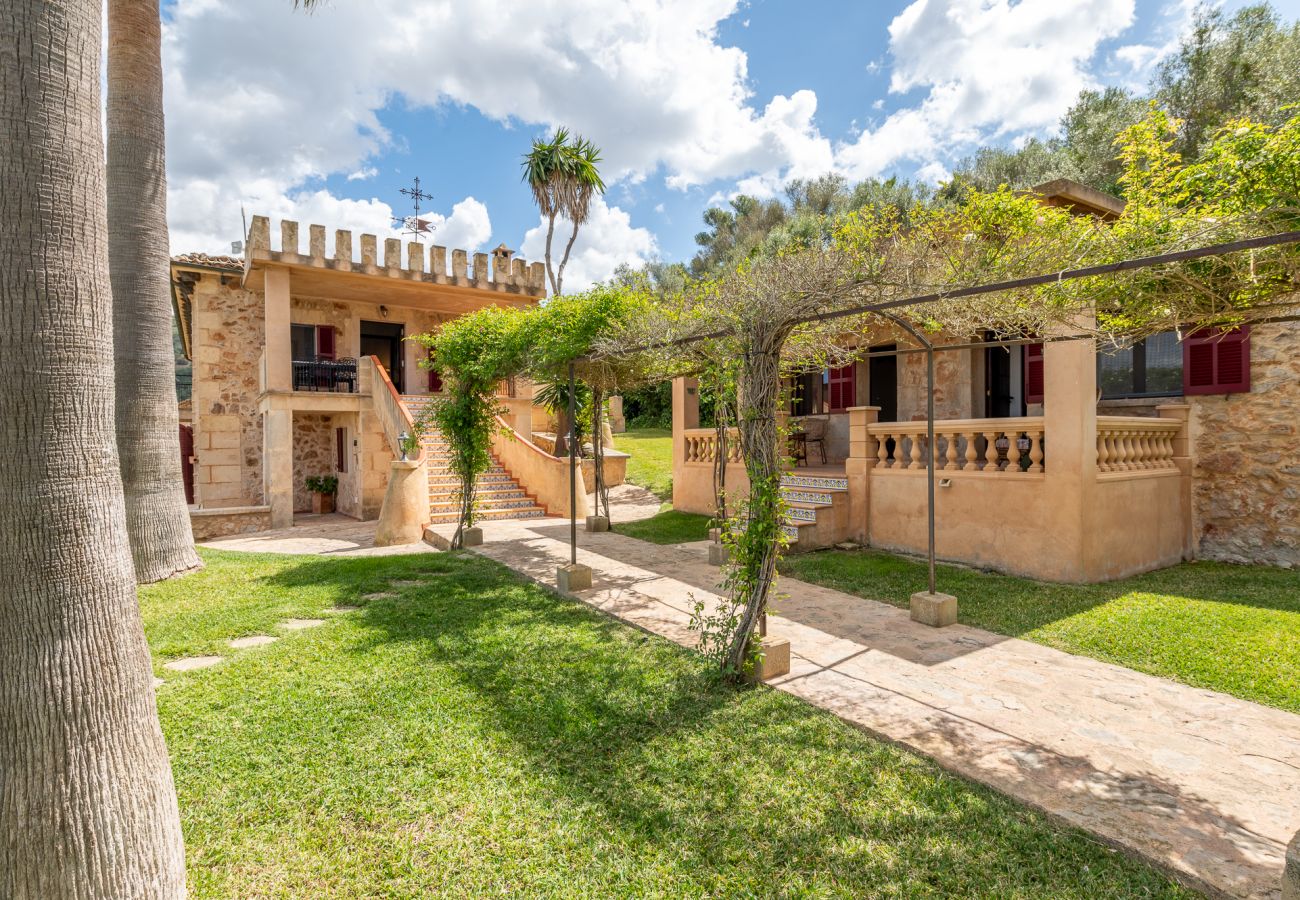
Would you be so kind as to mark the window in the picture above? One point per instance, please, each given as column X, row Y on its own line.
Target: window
column 1150, row 368
column 304, row 342
column 312, row 342
column 843, row 387
column 1217, row 362
column 340, row 449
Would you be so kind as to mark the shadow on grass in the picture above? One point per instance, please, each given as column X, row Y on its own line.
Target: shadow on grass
column 712, row 781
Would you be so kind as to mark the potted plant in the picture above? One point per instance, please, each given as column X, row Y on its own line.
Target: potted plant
column 323, row 488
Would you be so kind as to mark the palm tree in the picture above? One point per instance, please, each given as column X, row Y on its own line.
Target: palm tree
column 157, row 518
column 87, row 803
column 563, row 176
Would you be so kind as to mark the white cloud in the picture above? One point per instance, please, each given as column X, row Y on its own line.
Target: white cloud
column 363, row 173
column 1141, row 59
column 990, row 68
column 262, row 100
column 606, row 240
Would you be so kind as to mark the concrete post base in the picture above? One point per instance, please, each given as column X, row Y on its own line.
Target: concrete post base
column 935, row 610
column 1291, row 877
column 776, row 661
column 718, row 555
column 715, row 534
column 472, row 537
column 598, row 523
column 574, row 578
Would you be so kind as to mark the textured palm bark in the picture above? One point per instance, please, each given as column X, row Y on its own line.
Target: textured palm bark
column 87, row 804
column 148, row 440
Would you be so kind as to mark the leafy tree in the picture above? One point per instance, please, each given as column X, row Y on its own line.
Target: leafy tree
column 563, row 176
column 87, row 803
column 474, row 353
column 1246, row 66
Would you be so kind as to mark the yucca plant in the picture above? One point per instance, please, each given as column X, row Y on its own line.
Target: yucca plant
column 563, row 176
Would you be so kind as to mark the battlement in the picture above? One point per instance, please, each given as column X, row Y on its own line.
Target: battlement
column 505, row 273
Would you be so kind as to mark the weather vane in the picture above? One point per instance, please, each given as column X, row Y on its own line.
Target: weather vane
column 413, row 224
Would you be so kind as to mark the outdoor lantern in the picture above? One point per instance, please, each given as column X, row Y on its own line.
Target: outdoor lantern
column 401, row 440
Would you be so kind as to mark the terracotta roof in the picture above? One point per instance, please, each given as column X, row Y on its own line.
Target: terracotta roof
column 209, row 261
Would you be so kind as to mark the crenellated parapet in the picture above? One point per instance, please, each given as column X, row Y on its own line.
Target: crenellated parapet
column 498, row 271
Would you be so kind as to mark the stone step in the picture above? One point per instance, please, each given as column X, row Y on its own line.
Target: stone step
column 535, row 512
column 815, row 482
column 481, row 496
column 803, row 495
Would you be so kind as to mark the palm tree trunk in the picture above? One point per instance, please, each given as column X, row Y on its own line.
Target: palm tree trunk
column 550, row 236
column 158, row 521
column 564, row 261
column 87, row 804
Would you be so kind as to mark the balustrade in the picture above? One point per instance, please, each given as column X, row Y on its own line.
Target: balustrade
column 1135, row 443
column 987, row 446
column 702, row 446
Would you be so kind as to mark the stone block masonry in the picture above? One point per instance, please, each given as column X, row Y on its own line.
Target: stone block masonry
column 499, row 271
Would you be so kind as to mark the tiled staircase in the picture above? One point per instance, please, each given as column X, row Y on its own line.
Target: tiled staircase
column 499, row 495
column 817, row 510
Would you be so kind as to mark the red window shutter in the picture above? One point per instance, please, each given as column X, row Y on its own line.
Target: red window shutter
column 1033, row 366
column 435, row 378
column 842, row 383
column 1217, row 362
column 325, row 341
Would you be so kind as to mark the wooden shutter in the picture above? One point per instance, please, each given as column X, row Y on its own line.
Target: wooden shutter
column 325, row 341
column 1217, row 362
column 435, row 377
column 1033, row 367
column 341, row 449
column 842, row 385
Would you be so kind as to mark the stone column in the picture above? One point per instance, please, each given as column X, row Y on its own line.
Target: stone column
column 277, row 465
column 1182, row 412
column 279, row 343
column 406, row 505
column 862, row 459
column 1070, row 439
column 686, row 415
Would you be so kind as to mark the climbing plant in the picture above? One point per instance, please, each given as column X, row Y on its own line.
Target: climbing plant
column 794, row 309
column 474, row 353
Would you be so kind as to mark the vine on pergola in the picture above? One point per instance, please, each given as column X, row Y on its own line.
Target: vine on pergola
column 801, row 308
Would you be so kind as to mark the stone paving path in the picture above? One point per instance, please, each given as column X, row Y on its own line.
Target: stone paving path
column 1201, row 783
column 328, row 535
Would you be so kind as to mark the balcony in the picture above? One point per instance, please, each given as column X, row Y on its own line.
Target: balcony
column 332, row 376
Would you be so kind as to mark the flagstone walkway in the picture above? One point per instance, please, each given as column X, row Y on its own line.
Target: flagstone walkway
column 1202, row 783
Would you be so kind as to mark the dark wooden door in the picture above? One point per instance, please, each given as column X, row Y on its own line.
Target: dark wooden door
column 882, row 383
column 187, row 461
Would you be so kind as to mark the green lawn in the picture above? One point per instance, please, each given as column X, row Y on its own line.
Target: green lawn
column 651, row 465
column 1228, row 628
column 668, row 527
column 476, row 735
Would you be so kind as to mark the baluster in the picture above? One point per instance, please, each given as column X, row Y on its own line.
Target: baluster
column 971, row 453
column 1103, row 451
column 882, row 451
column 1121, row 451
column 1035, row 451
column 915, row 453
column 950, row 452
column 1013, row 451
column 1145, row 451
column 990, row 452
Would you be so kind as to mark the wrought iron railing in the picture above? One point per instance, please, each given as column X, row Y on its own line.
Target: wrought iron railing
column 331, row 375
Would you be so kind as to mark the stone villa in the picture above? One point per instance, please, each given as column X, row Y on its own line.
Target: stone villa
column 1053, row 461
column 301, row 368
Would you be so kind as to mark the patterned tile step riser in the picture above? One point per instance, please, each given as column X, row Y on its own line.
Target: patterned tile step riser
column 507, row 503
column 815, row 482
column 493, row 517
column 790, row 531
column 799, row 496
column 800, row 514
column 505, row 494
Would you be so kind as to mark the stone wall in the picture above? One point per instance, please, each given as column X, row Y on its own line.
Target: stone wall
column 228, row 338
column 952, row 386
column 313, row 454
column 1246, row 480
column 209, row 524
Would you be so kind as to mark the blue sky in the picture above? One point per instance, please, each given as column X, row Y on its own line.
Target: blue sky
column 324, row 117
